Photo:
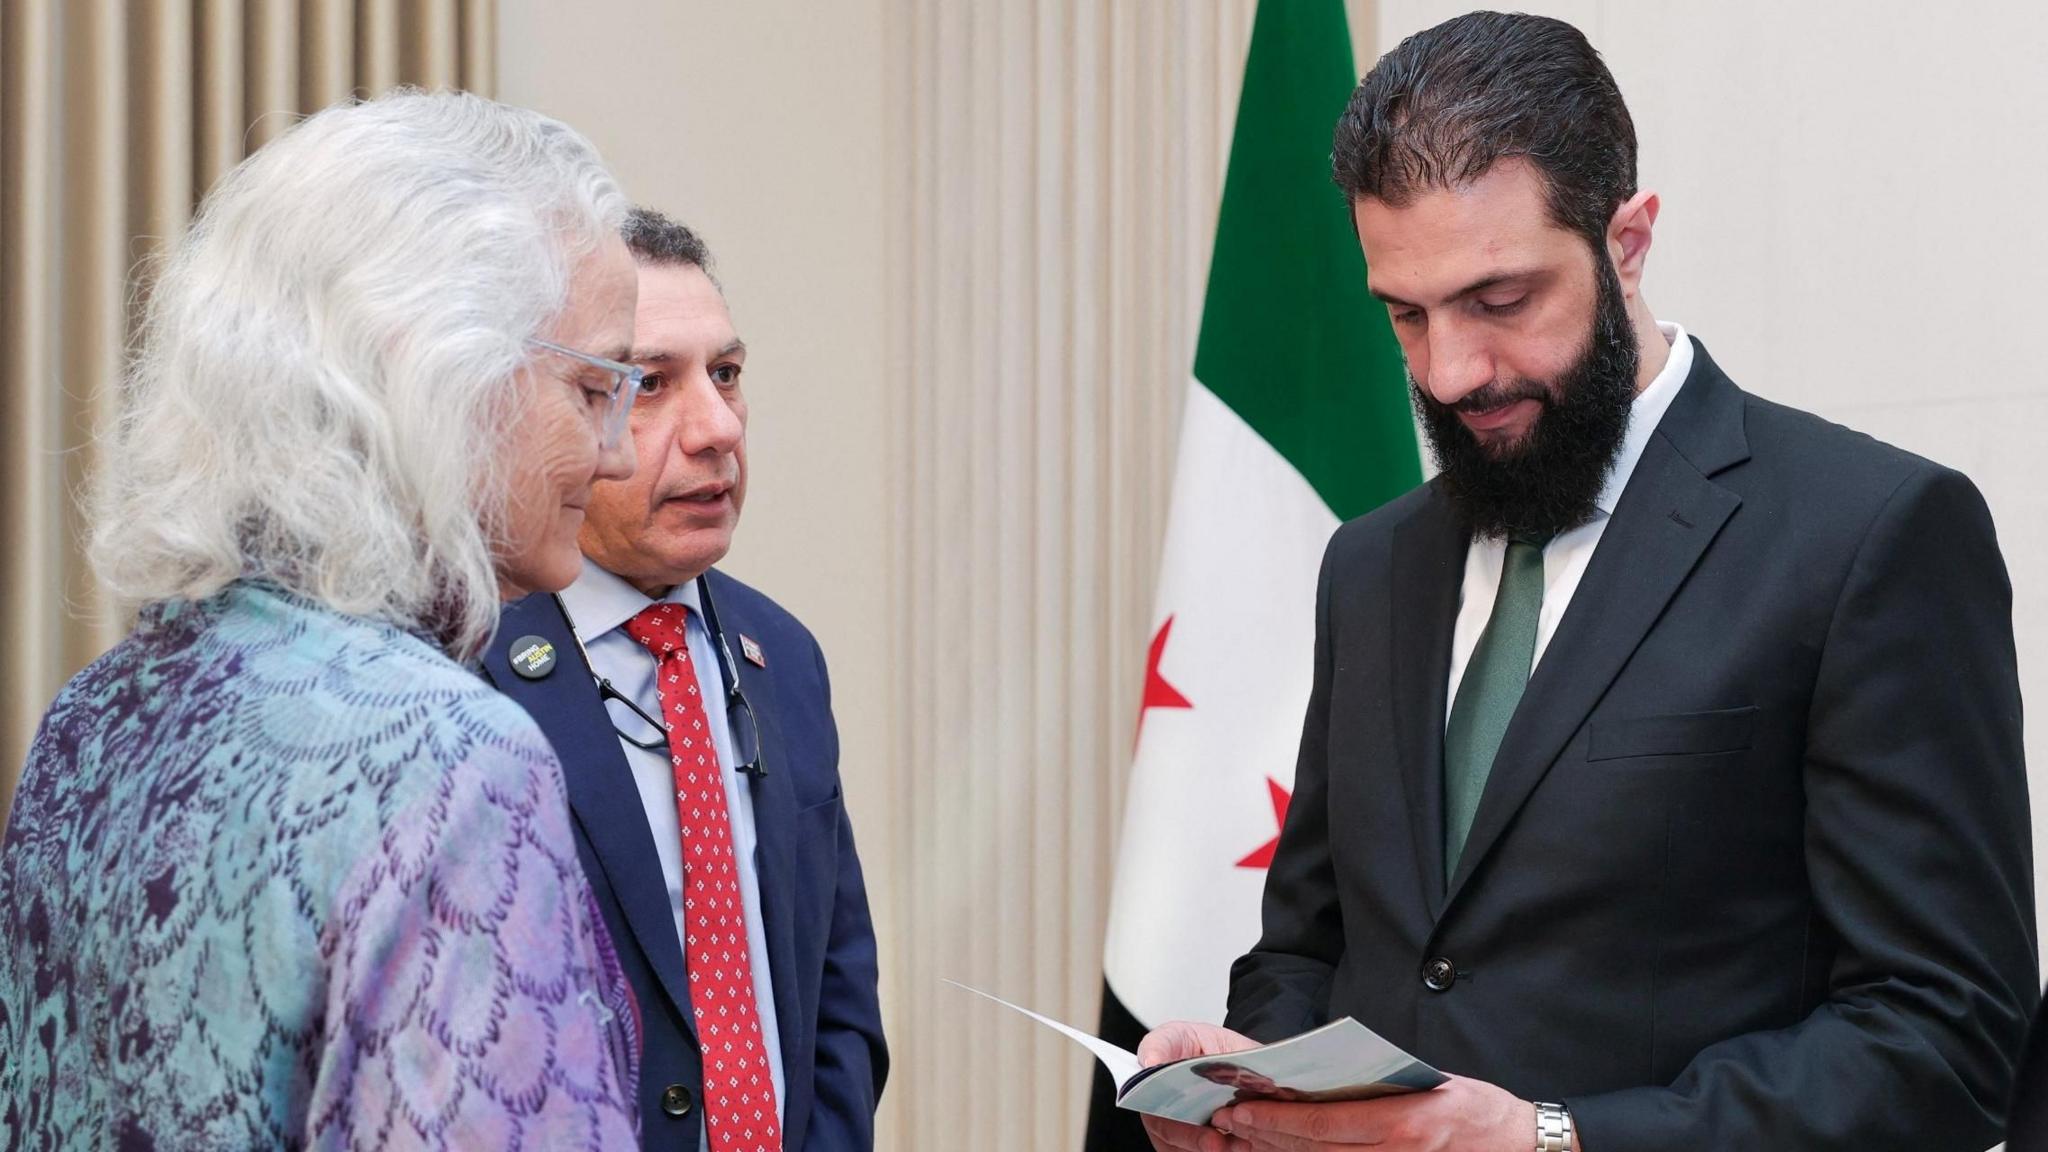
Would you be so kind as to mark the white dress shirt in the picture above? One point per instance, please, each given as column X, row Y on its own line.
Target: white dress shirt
column 1566, row 557
column 599, row 604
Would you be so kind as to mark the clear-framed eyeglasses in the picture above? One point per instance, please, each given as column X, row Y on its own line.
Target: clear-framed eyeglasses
column 610, row 406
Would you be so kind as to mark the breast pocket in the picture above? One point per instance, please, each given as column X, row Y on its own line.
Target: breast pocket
column 815, row 849
column 807, row 805
column 1673, row 734
column 817, row 821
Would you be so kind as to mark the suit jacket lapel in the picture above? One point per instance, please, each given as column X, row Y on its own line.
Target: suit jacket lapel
column 774, row 821
column 1428, row 564
column 602, row 795
column 1667, row 516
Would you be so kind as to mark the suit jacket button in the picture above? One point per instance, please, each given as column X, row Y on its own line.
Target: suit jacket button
column 1439, row 974
column 676, row 1100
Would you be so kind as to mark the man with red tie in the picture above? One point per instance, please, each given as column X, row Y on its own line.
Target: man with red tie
column 693, row 719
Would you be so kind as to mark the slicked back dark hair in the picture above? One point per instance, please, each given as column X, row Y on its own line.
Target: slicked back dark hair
column 655, row 239
column 1447, row 104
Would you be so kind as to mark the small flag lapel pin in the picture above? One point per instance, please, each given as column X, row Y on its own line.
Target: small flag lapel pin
column 750, row 649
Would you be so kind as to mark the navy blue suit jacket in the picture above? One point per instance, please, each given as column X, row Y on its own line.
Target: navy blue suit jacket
column 821, row 944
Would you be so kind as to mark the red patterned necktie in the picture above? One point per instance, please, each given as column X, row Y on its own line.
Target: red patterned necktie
column 739, row 1096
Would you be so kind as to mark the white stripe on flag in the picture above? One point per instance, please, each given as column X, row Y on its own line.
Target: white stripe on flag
column 1244, row 540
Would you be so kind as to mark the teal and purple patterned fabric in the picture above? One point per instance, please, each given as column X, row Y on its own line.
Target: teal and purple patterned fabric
column 277, row 877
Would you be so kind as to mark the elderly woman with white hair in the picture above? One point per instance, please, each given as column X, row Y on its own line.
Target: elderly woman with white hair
column 282, row 871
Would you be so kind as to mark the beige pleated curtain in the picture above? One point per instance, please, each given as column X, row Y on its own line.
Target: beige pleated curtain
column 114, row 120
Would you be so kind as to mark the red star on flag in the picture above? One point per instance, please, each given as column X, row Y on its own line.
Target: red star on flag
column 1263, row 858
column 1158, row 693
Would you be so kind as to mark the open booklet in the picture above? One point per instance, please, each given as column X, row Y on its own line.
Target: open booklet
column 1343, row 1060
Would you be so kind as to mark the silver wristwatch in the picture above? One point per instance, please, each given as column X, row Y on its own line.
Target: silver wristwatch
column 1553, row 1128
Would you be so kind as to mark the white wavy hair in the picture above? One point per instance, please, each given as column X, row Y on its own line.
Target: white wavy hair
column 327, row 367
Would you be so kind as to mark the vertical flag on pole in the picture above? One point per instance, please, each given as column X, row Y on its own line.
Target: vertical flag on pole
column 1297, row 418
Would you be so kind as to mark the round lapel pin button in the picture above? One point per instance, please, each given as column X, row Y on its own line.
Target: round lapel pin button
column 532, row 657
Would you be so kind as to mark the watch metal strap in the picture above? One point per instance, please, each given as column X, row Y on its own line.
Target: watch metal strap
column 1553, row 1128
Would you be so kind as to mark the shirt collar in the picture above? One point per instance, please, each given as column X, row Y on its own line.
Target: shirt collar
column 1646, row 412
column 600, row 601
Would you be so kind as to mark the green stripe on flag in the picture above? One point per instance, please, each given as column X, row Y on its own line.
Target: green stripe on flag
column 1291, row 340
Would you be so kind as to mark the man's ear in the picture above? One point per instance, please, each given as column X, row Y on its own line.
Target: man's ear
column 1628, row 239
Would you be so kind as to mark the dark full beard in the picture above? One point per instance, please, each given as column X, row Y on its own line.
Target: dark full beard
column 1549, row 481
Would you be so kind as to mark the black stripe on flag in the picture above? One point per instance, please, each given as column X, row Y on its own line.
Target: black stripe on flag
column 1110, row 1128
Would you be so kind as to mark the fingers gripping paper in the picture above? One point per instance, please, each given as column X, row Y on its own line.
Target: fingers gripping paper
column 1343, row 1060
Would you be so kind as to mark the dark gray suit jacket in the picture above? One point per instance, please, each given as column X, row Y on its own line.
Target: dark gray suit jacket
column 1753, row 868
column 2029, row 1112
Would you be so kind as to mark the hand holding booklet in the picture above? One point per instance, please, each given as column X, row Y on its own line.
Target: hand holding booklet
column 1342, row 1060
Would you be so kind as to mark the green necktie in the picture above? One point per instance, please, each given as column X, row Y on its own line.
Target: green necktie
column 1487, row 696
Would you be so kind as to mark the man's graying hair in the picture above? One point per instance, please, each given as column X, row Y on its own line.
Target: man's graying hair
column 1447, row 104
column 656, row 240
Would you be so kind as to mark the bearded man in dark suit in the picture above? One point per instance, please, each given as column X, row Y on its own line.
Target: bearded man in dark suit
column 1662, row 774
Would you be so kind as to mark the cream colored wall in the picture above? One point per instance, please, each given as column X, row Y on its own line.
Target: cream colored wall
column 1852, row 222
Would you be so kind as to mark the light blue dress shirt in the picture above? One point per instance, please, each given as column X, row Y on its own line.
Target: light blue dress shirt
column 599, row 604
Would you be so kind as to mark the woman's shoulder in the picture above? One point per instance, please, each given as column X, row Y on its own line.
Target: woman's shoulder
column 306, row 712
column 305, row 724
column 379, row 746
column 340, row 682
